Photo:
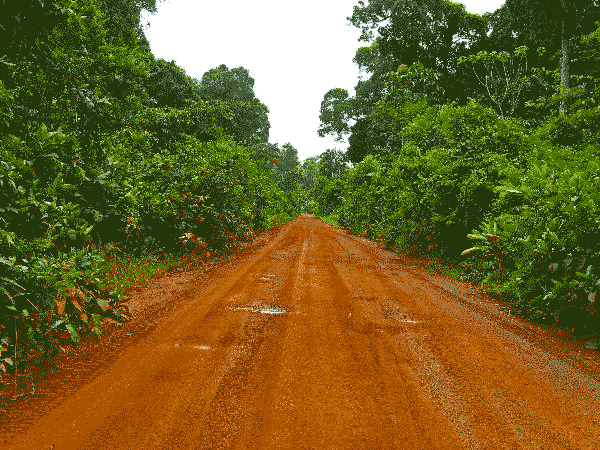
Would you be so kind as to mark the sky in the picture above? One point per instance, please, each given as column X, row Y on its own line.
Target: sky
column 295, row 52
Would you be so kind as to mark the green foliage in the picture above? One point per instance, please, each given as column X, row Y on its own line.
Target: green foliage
column 501, row 88
column 556, row 221
column 169, row 85
column 108, row 155
column 326, row 181
column 445, row 170
column 236, row 88
column 97, row 156
column 6, row 101
column 336, row 109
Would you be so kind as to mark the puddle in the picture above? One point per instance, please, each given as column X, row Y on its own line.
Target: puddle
column 267, row 277
column 270, row 310
column 261, row 309
column 199, row 347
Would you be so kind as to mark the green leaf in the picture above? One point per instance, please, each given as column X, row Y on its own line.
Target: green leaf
column 476, row 236
column 73, row 332
column 104, row 304
column 97, row 320
column 31, row 334
column 57, row 323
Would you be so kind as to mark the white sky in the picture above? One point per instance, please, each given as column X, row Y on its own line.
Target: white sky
column 295, row 52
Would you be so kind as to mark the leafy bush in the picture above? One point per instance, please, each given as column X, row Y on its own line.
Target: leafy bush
column 544, row 238
column 532, row 195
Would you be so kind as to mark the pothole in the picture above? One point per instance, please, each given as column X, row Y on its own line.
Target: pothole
column 270, row 310
column 265, row 309
column 198, row 347
column 391, row 312
column 267, row 277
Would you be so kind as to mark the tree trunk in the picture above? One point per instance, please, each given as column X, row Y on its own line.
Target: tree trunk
column 564, row 67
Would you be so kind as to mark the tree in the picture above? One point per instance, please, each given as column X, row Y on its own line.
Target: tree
column 419, row 31
column 288, row 158
column 66, row 72
column 169, row 85
column 332, row 163
column 228, row 85
column 327, row 188
column 408, row 32
column 503, row 78
column 236, row 87
column 123, row 20
column 336, row 110
column 310, row 169
column 554, row 24
column 288, row 166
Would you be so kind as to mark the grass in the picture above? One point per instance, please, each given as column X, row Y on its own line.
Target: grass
column 331, row 220
column 121, row 273
column 442, row 267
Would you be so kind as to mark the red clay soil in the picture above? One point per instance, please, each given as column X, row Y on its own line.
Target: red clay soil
column 315, row 339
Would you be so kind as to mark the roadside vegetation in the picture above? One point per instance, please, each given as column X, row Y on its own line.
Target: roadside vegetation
column 476, row 156
column 115, row 167
column 480, row 154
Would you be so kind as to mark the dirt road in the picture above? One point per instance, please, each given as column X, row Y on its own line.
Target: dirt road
column 316, row 340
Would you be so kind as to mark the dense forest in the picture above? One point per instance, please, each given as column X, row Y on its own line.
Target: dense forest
column 474, row 139
column 475, row 142
column 110, row 156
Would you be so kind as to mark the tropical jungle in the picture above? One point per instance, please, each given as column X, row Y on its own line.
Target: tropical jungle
column 473, row 142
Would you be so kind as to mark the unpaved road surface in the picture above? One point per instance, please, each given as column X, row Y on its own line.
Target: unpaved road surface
column 316, row 340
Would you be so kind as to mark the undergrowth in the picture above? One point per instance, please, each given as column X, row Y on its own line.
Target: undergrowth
column 560, row 306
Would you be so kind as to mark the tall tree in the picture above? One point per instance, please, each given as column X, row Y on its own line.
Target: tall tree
column 236, row 87
column 169, row 85
column 433, row 32
column 339, row 110
column 423, row 31
column 227, row 85
column 310, row 169
column 554, row 24
column 333, row 163
column 288, row 159
column 123, row 20
column 336, row 111
column 287, row 168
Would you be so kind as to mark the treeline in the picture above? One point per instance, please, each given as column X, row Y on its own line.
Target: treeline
column 106, row 150
column 474, row 151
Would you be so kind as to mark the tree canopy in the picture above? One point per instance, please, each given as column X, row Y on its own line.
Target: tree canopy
column 236, row 88
column 439, row 34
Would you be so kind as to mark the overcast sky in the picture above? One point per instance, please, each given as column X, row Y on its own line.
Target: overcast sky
column 295, row 52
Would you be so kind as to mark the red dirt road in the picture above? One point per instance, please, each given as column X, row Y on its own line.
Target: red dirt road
column 317, row 339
